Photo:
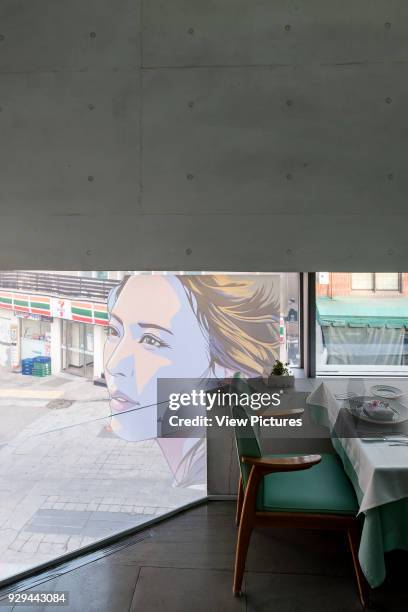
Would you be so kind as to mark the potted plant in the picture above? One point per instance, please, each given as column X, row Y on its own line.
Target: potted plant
column 281, row 375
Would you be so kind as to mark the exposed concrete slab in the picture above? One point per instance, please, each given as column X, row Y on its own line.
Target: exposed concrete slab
column 238, row 32
column 273, row 168
column 237, row 242
column 55, row 35
column 313, row 139
column 61, row 157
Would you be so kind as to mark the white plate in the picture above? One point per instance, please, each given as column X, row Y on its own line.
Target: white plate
column 345, row 396
column 400, row 411
column 386, row 391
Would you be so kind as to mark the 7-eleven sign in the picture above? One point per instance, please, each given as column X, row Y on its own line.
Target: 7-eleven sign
column 61, row 308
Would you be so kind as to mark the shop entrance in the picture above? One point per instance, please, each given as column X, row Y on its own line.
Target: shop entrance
column 77, row 348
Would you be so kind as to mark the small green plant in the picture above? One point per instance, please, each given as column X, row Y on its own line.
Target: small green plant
column 280, row 369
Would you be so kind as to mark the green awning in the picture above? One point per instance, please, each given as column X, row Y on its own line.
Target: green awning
column 363, row 312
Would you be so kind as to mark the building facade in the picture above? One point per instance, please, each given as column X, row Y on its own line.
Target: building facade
column 375, row 284
column 63, row 316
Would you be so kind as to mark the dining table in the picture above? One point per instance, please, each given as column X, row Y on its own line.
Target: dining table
column 374, row 453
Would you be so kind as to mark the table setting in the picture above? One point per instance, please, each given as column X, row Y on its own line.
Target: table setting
column 368, row 424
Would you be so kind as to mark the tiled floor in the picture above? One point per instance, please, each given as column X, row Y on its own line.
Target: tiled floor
column 185, row 563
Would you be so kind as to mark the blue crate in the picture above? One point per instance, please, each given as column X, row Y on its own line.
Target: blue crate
column 42, row 359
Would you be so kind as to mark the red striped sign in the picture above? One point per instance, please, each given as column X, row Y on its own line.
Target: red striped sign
column 83, row 312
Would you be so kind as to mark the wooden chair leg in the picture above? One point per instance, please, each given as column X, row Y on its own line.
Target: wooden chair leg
column 362, row 584
column 246, row 524
column 244, row 535
column 240, row 501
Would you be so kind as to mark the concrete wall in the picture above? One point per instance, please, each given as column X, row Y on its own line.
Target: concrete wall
column 203, row 134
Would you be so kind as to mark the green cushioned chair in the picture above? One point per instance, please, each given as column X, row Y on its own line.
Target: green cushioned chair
column 306, row 491
column 325, row 488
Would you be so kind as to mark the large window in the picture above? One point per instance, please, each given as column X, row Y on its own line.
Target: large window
column 78, row 462
column 80, row 357
column 362, row 323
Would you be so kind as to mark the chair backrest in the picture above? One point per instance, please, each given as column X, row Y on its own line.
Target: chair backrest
column 247, row 437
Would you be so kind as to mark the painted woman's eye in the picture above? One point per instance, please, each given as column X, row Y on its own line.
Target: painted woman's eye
column 112, row 331
column 152, row 340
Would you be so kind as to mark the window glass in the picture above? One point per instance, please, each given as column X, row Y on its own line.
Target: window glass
column 78, row 447
column 362, row 281
column 386, row 281
column 362, row 333
column 291, row 346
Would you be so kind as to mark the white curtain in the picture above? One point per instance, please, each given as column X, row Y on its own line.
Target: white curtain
column 363, row 345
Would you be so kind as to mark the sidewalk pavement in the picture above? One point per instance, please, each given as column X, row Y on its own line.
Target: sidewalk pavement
column 65, row 479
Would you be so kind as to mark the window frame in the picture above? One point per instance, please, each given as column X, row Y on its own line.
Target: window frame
column 347, row 371
column 374, row 283
column 399, row 282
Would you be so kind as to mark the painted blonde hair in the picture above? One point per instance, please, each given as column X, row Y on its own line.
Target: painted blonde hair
column 240, row 314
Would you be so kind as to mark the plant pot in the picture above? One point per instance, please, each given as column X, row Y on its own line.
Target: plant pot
column 280, row 382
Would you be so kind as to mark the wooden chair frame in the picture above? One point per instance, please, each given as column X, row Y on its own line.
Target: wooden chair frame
column 248, row 517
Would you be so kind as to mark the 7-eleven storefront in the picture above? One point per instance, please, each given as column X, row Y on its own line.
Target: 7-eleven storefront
column 71, row 332
column 83, row 326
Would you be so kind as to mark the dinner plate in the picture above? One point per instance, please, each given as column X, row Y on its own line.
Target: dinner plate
column 356, row 407
column 345, row 396
column 386, row 391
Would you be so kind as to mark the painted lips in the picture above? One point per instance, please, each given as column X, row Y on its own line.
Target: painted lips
column 121, row 402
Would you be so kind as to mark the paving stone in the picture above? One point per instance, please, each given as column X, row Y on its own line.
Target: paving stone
column 75, row 471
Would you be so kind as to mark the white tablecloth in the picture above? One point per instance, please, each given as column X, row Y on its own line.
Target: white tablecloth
column 381, row 470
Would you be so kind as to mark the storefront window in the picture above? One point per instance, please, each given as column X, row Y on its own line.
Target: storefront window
column 35, row 338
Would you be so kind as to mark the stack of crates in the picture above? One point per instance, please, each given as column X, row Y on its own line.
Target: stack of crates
column 27, row 366
column 42, row 366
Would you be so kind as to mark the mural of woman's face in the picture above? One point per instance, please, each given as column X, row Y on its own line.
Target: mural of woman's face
column 154, row 333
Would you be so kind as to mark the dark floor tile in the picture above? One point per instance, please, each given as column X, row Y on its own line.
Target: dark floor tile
column 97, row 587
column 211, row 555
column 196, row 528
column 394, row 602
column 298, row 593
column 396, row 564
column 393, row 593
column 193, row 539
column 215, row 507
column 299, row 551
column 201, row 540
column 4, row 605
column 178, row 590
column 388, row 600
column 186, row 562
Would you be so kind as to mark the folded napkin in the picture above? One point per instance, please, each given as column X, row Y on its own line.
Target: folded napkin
column 379, row 410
